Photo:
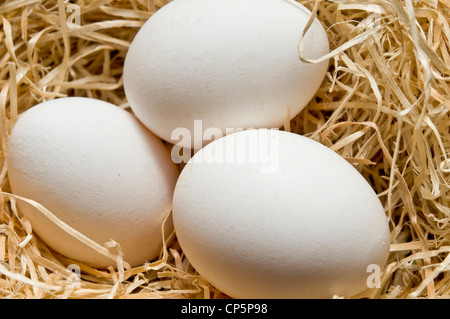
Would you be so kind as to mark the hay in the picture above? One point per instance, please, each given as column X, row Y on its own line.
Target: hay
column 384, row 106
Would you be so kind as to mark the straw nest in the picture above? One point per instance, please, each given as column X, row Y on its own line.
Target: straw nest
column 384, row 106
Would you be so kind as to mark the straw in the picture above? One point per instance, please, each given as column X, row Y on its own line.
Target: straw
column 384, row 106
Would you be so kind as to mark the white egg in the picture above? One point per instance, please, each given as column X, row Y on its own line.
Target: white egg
column 99, row 170
column 272, row 214
column 229, row 64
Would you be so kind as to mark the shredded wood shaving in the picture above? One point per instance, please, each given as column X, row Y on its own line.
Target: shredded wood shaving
column 384, row 106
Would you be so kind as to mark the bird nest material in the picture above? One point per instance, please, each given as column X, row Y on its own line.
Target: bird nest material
column 384, row 106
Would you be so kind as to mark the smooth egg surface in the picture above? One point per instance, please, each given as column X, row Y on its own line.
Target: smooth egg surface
column 272, row 214
column 99, row 170
column 229, row 64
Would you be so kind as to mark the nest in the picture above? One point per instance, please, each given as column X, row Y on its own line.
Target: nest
column 384, row 106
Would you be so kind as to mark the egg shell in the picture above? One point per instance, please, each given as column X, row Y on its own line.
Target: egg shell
column 273, row 214
column 99, row 170
column 230, row 64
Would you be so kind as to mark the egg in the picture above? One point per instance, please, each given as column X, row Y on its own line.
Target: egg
column 99, row 170
column 225, row 64
column 271, row 214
